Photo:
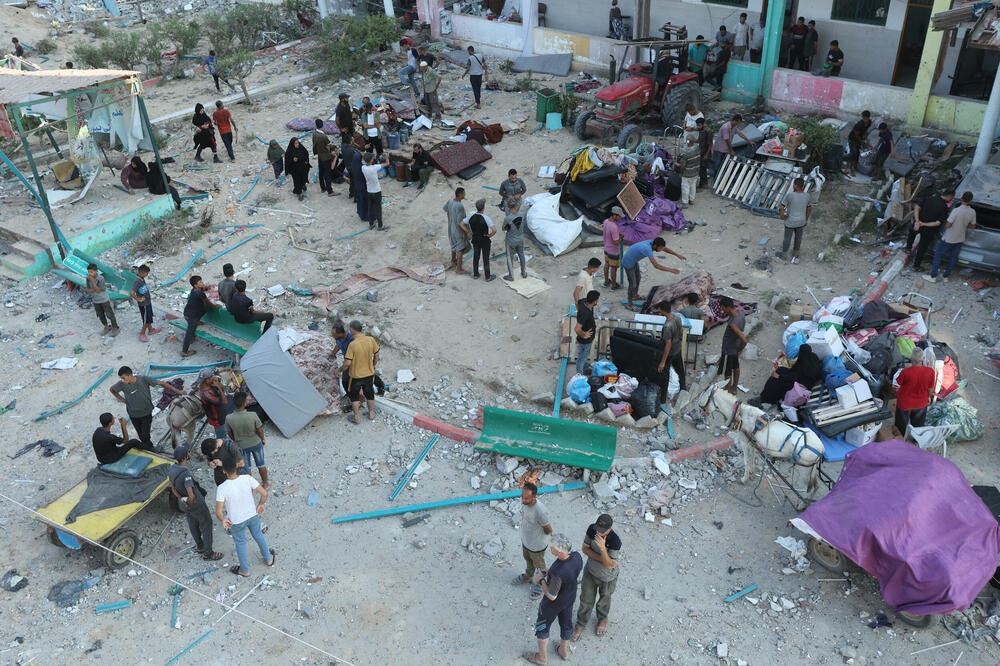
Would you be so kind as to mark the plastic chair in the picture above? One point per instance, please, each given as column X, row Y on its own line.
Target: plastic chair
column 930, row 437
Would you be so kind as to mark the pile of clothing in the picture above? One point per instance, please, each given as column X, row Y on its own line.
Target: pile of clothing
column 606, row 388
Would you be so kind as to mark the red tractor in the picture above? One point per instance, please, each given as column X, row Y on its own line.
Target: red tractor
column 659, row 89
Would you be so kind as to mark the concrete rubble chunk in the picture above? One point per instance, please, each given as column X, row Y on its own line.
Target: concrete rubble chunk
column 493, row 547
column 506, row 464
column 722, row 650
column 603, row 491
column 787, row 604
column 662, row 466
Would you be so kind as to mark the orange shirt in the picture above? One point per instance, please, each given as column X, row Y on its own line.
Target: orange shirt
column 221, row 118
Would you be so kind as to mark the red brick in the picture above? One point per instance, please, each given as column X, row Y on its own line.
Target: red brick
column 445, row 430
column 699, row 450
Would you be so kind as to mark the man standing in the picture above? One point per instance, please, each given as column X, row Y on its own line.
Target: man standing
column 190, row 493
column 247, row 431
column 795, row 209
column 585, row 279
column 217, row 452
column 241, row 307
column 431, row 81
column 586, row 328
column 612, row 247
column 638, row 252
column 476, row 69
column 670, row 337
column 798, row 53
column 692, row 170
column 374, row 189
column 705, row 140
column 213, row 399
column 456, row 234
column 407, row 75
column 834, row 59
column 915, row 385
column 480, row 227
column 723, row 144
column 109, row 448
column 324, row 155
column 810, row 46
column 344, row 118
column 757, row 33
column 929, row 217
column 236, row 508
column 227, row 127
column 137, row 400
column 198, row 304
column 360, row 362
column 371, row 125
column 343, row 338
column 511, row 190
column 733, row 342
column 602, row 546
column 558, row 586
column 535, row 530
column 858, row 139
column 98, row 290
column 227, row 286
column 884, row 149
column 696, row 58
column 514, row 225
column 960, row 220
column 741, row 38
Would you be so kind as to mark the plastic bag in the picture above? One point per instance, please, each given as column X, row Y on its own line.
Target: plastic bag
column 610, row 391
column 795, row 341
column 791, row 413
column 626, row 385
column 673, row 384
column 832, row 364
column 572, row 380
column 580, row 391
column 796, row 396
column 807, row 327
column 645, row 399
column 619, row 408
column 604, row 367
column 837, row 378
column 857, row 353
column 956, row 411
column 905, row 346
column 599, row 402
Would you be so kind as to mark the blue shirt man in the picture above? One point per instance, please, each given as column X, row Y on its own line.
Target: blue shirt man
column 638, row 252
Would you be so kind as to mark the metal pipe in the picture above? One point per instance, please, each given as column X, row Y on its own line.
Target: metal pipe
column 232, row 248
column 416, row 463
column 988, row 130
column 183, row 270
column 73, row 402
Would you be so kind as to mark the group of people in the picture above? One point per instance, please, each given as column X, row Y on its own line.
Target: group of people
column 800, row 46
column 204, row 136
column 233, row 297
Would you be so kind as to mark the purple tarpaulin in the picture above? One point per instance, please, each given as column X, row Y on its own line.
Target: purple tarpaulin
column 655, row 216
column 909, row 518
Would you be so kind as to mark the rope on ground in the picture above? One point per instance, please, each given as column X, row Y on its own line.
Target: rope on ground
column 182, row 585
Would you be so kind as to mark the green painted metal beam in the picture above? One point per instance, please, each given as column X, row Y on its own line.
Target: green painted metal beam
column 228, row 250
column 413, row 467
column 73, row 402
column 456, row 501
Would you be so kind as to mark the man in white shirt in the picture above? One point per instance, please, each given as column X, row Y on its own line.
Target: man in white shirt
column 757, row 33
column 407, row 75
column 374, row 189
column 585, row 279
column 235, row 507
column 741, row 38
column 371, row 124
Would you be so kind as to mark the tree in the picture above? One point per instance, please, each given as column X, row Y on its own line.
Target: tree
column 182, row 35
column 343, row 42
column 237, row 65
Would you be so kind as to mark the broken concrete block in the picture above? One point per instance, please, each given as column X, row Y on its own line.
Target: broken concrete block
column 626, row 420
column 646, row 423
column 545, row 398
column 662, row 465
column 569, row 403
column 506, row 464
column 372, row 295
column 722, row 650
column 588, row 408
column 493, row 547
column 605, row 414
column 603, row 491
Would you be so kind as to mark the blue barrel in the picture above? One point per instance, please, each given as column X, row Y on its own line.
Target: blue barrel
column 393, row 140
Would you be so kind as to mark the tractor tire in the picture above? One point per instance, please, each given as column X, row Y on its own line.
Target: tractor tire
column 580, row 126
column 676, row 101
column 630, row 137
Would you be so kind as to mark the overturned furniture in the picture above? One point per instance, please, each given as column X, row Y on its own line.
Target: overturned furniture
column 755, row 186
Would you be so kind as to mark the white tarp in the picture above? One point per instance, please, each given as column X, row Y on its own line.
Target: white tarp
column 549, row 228
column 289, row 399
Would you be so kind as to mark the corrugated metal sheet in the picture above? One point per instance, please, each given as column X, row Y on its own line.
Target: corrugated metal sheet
column 15, row 85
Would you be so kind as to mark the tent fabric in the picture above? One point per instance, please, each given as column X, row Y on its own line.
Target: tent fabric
column 549, row 228
column 909, row 518
column 16, row 86
column 289, row 399
column 106, row 489
column 656, row 216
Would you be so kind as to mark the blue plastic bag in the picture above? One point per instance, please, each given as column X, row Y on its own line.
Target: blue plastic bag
column 837, row 378
column 580, row 391
column 832, row 364
column 603, row 368
column 795, row 340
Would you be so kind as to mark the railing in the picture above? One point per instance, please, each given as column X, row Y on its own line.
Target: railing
column 874, row 12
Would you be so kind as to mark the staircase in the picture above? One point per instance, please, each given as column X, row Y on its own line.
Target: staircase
column 22, row 255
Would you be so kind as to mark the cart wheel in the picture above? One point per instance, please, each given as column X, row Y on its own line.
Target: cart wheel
column 827, row 556
column 917, row 621
column 123, row 544
column 175, row 504
column 54, row 538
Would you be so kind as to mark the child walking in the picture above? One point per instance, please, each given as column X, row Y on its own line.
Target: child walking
column 140, row 294
column 98, row 290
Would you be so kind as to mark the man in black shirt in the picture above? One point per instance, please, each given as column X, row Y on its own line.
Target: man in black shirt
column 108, row 447
column 217, row 452
column 858, row 139
column 481, row 228
column 241, row 307
column 929, row 217
column 586, row 327
column 559, row 586
column 190, row 493
column 671, row 336
column 834, row 58
column 345, row 119
column 197, row 305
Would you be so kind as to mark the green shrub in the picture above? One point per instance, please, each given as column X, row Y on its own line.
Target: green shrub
column 100, row 30
column 819, row 139
column 124, row 50
column 94, row 57
column 343, row 42
column 45, row 46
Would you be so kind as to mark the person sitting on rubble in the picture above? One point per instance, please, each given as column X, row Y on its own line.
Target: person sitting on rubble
column 420, row 167
column 807, row 370
column 687, row 305
column 342, row 338
column 108, row 447
column 241, row 307
column 154, row 181
column 134, row 175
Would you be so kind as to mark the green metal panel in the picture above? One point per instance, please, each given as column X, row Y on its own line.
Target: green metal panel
column 545, row 438
column 741, row 82
column 120, row 279
column 208, row 337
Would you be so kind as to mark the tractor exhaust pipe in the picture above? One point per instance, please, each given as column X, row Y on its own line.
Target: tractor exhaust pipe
column 612, row 75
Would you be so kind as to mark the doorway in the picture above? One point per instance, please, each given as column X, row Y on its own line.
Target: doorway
column 911, row 43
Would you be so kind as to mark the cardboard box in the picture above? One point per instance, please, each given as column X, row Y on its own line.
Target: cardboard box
column 797, row 312
column 862, row 435
column 887, row 432
column 826, row 342
column 853, row 394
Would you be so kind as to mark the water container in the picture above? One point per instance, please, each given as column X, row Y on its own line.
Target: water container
column 392, row 138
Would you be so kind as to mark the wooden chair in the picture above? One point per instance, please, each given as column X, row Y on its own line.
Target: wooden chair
column 542, row 9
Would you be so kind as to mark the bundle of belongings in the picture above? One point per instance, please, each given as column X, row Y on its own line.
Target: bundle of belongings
column 608, row 388
column 702, row 284
column 842, row 383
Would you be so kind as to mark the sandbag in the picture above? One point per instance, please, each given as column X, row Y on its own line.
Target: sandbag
column 645, row 400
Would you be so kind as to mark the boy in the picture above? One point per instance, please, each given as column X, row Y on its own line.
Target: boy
column 235, row 507
column 671, row 336
column 585, row 329
column 733, row 342
column 197, row 305
column 884, row 149
column 140, row 294
column 795, row 209
column 192, row 495
column 692, row 169
column 612, row 247
column 133, row 392
column 217, row 451
column 585, row 279
column 247, row 431
column 374, row 189
column 228, row 285
column 98, row 291
column 241, row 307
column 688, row 306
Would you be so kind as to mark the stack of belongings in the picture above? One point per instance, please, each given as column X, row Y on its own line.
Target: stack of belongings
column 609, row 388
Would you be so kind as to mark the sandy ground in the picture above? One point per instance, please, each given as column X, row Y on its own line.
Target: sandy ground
column 390, row 594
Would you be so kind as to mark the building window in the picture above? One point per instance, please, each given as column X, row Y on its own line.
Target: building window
column 731, row 3
column 860, row 11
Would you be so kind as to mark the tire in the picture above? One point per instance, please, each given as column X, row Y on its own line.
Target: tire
column 677, row 99
column 630, row 137
column 826, row 556
column 123, row 544
column 580, row 126
column 916, row 621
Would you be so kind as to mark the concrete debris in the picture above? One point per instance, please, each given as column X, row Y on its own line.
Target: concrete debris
column 493, row 547
column 722, row 650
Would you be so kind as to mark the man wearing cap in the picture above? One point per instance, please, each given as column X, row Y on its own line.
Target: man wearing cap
column 601, row 545
column 345, row 118
column 190, row 493
column 431, row 81
column 558, row 585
